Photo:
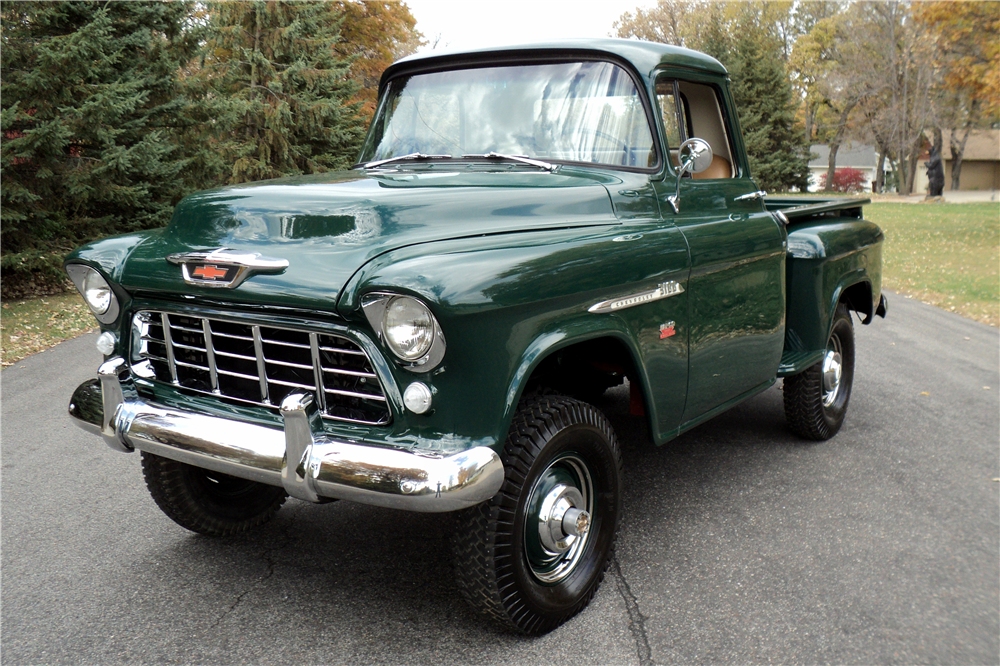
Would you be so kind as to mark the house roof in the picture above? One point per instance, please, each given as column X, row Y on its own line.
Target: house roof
column 850, row 154
column 982, row 145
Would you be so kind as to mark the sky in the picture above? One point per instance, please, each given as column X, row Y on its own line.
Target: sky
column 473, row 23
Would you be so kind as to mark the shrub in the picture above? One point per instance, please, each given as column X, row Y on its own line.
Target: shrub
column 846, row 180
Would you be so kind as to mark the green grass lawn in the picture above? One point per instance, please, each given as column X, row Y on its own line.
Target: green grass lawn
column 940, row 253
column 944, row 254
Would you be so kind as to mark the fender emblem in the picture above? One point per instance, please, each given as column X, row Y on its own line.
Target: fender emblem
column 223, row 267
column 666, row 330
column 663, row 290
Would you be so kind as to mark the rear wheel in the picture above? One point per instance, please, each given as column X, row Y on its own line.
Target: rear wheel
column 208, row 502
column 816, row 400
column 534, row 555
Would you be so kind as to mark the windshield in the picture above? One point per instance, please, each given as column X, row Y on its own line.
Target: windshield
column 567, row 112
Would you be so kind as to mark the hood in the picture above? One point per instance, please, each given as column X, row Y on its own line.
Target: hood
column 327, row 226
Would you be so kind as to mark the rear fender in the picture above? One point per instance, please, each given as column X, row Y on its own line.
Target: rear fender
column 830, row 262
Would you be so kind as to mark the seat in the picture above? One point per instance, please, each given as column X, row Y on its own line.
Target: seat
column 720, row 168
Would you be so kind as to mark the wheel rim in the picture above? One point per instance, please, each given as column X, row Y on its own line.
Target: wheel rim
column 832, row 371
column 561, row 502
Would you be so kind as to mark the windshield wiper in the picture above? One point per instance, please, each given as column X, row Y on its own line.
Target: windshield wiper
column 411, row 156
column 516, row 158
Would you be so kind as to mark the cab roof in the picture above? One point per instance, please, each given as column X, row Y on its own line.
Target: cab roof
column 645, row 57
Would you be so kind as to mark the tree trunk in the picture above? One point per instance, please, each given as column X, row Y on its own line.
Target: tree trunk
column 831, row 168
column 956, row 155
column 879, row 172
column 910, row 165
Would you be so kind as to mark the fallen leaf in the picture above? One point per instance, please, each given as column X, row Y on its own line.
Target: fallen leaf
column 924, row 393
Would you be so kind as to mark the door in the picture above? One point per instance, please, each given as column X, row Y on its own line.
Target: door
column 736, row 292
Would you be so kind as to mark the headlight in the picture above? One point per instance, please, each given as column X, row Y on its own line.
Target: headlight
column 408, row 329
column 96, row 292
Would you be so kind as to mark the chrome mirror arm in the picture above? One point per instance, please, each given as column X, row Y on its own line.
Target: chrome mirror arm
column 675, row 198
column 695, row 155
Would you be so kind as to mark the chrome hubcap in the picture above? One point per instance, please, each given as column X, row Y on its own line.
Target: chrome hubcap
column 559, row 519
column 832, row 368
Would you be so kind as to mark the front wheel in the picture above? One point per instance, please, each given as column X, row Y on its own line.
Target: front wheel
column 534, row 555
column 208, row 502
column 816, row 400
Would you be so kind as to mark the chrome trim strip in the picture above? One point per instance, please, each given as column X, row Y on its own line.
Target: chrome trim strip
column 353, row 394
column 169, row 344
column 664, row 290
column 213, row 371
column 258, row 349
column 335, row 350
column 302, row 458
column 350, row 373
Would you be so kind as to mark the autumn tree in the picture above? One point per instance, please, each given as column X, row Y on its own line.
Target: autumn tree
column 373, row 35
column 90, row 106
column 967, row 39
column 820, row 58
column 275, row 95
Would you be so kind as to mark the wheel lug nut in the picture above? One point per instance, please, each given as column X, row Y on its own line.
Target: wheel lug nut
column 576, row 522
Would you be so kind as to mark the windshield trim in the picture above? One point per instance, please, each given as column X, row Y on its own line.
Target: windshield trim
column 533, row 58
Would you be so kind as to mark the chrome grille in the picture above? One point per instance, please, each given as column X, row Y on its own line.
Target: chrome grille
column 258, row 364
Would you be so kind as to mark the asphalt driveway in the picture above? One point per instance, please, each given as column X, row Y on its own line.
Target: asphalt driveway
column 740, row 543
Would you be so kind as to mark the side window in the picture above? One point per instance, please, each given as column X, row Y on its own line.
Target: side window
column 694, row 110
column 674, row 114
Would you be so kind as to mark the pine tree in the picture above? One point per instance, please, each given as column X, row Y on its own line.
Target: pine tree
column 89, row 109
column 777, row 150
column 276, row 93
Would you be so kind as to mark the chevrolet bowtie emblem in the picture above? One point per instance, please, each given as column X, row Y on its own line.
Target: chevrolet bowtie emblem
column 209, row 272
column 224, row 267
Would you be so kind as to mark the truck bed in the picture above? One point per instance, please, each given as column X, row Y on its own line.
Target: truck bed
column 798, row 209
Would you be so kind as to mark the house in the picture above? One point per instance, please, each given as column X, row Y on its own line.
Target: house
column 851, row 155
column 980, row 162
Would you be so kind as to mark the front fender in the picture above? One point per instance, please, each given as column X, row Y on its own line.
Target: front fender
column 507, row 303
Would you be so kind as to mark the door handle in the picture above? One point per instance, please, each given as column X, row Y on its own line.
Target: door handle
column 759, row 194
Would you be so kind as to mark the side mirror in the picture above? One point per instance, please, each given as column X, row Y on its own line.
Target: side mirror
column 695, row 155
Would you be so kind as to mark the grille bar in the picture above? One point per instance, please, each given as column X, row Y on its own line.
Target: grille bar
column 259, row 364
column 170, row 347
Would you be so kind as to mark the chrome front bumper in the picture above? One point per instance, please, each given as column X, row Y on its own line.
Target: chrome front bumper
column 301, row 457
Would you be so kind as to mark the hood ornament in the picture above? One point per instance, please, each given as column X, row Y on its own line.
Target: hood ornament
column 224, row 268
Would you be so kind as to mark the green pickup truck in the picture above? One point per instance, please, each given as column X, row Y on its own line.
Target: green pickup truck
column 526, row 228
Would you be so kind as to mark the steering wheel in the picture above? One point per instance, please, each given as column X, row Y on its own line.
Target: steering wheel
column 627, row 157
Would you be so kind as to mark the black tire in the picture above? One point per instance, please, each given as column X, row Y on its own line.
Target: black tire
column 208, row 502
column 502, row 566
column 814, row 410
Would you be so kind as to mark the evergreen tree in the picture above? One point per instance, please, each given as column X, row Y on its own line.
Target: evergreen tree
column 89, row 108
column 276, row 93
column 778, row 151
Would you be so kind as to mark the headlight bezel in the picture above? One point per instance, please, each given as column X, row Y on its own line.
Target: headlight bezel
column 376, row 307
column 89, row 279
